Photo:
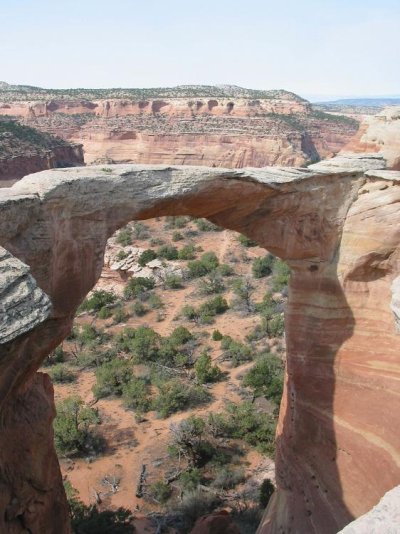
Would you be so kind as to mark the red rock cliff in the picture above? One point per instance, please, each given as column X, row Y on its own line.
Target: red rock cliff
column 217, row 131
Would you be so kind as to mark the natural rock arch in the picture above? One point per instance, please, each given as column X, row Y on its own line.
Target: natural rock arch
column 337, row 225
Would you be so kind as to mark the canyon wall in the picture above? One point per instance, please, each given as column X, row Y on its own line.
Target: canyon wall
column 19, row 165
column 229, row 131
column 380, row 134
column 336, row 224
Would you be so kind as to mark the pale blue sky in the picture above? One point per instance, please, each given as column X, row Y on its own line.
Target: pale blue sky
column 340, row 47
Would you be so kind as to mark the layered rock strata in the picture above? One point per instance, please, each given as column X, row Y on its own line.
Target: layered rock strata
column 225, row 130
column 337, row 225
column 380, row 134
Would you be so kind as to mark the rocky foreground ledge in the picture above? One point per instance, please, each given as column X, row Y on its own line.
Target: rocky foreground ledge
column 336, row 223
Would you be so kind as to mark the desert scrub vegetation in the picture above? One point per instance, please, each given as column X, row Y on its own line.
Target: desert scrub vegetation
column 205, row 265
column 98, row 300
column 265, row 378
column 263, row 266
column 281, row 275
column 246, row 241
column 206, row 312
column 207, row 226
column 146, row 256
column 74, row 428
column 30, row 136
column 272, row 323
column 174, row 396
column 243, row 289
column 179, row 367
column 124, row 237
column 137, row 287
column 61, row 374
column 205, row 371
column 243, row 421
column 172, row 223
column 235, row 352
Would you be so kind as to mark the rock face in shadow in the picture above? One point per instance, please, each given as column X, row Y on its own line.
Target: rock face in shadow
column 337, row 224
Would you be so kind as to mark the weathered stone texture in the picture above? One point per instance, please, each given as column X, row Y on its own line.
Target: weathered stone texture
column 338, row 227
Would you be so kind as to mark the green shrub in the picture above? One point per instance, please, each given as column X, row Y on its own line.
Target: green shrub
column 104, row 313
column 190, row 480
column 160, row 491
column 120, row 315
column 177, row 236
column 265, row 378
column 189, row 313
column 275, row 326
column 243, row 289
column 155, row 302
column 262, row 266
column 267, row 307
column 89, row 335
column 124, row 338
column 207, row 226
column 174, row 396
column 98, row 300
column 180, row 336
column 210, row 260
column 94, row 357
column 235, row 351
column 73, row 428
column 206, row 264
column 111, row 378
column 140, row 230
column 173, row 281
column 145, row 344
column 138, row 308
column 242, row 421
column 217, row 336
column 246, row 241
column 175, row 222
column 281, row 275
column 227, row 478
column 60, row 374
column 146, row 256
column 205, row 370
column 135, row 394
column 122, row 255
column 214, row 306
column 225, row 270
column 168, row 252
column 156, row 242
column 124, row 237
column 136, row 286
column 188, row 252
column 211, row 283
column 57, row 356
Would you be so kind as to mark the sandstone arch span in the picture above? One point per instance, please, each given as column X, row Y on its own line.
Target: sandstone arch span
column 337, row 225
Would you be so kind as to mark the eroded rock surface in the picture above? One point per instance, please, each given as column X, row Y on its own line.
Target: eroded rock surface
column 213, row 126
column 338, row 227
column 23, row 305
column 381, row 134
